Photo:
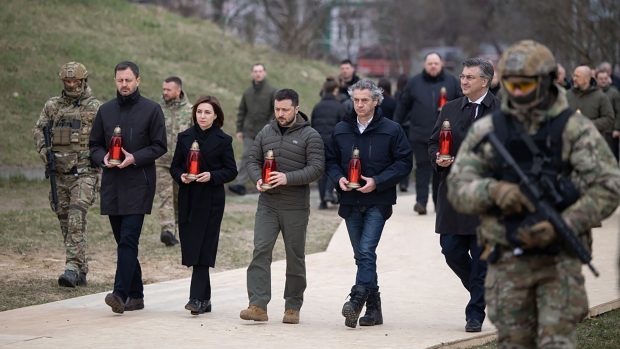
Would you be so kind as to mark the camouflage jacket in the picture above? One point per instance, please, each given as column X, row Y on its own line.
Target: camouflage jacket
column 178, row 115
column 72, row 119
column 595, row 172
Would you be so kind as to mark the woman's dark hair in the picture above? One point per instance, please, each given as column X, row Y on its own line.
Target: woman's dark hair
column 330, row 85
column 217, row 108
column 386, row 85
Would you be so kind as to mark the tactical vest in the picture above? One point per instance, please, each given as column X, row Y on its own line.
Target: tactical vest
column 70, row 138
column 541, row 162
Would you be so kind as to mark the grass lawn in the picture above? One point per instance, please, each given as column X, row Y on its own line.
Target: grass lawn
column 32, row 253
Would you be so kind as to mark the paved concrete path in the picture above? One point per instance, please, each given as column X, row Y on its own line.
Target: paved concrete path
column 423, row 302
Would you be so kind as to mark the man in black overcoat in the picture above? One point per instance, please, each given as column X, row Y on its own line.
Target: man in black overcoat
column 127, row 189
column 458, row 231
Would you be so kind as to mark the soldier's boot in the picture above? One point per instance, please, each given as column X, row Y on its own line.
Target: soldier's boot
column 353, row 307
column 168, row 238
column 373, row 315
column 68, row 279
column 254, row 312
column 81, row 281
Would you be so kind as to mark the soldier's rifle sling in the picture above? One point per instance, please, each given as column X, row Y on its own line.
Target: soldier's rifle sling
column 50, row 166
column 543, row 208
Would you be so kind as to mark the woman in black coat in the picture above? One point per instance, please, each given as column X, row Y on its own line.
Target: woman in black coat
column 201, row 201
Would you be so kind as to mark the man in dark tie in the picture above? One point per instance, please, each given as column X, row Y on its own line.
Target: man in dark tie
column 458, row 231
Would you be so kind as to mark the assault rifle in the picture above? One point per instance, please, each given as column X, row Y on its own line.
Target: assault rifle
column 544, row 210
column 50, row 165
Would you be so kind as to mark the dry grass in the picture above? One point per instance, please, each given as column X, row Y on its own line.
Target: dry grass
column 32, row 252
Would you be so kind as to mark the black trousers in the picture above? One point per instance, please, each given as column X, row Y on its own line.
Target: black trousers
column 128, row 279
column 462, row 254
column 325, row 186
column 200, row 287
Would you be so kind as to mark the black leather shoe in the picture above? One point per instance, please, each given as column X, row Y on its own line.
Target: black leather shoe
column 68, row 279
column 115, row 302
column 237, row 189
column 195, row 306
column 168, row 238
column 421, row 210
column 134, row 304
column 323, row 205
column 473, row 325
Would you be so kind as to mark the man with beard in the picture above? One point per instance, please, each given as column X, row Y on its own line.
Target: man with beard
column 178, row 114
column 298, row 152
column 70, row 117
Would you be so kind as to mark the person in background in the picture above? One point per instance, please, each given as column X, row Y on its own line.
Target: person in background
column 325, row 115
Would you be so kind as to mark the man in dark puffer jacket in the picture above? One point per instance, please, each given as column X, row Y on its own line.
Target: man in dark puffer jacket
column 386, row 158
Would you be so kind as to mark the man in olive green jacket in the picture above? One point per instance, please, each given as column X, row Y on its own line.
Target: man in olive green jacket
column 255, row 111
column 590, row 101
column 298, row 152
column 603, row 80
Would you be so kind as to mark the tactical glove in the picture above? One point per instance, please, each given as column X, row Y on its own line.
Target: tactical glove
column 43, row 155
column 539, row 235
column 509, row 197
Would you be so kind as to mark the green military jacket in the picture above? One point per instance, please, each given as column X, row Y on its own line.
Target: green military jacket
column 595, row 172
column 71, row 120
column 594, row 105
column 614, row 97
column 255, row 108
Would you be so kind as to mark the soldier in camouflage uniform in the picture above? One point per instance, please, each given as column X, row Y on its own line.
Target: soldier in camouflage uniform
column 71, row 116
column 178, row 113
column 534, row 288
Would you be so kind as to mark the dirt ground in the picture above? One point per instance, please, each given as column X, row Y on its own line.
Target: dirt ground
column 32, row 252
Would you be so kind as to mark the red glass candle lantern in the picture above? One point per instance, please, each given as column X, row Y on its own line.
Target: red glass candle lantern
column 445, row 141
column 116, row 144
column 193, row 162
column 355, row 169
column 268, row 166
column 443, row 98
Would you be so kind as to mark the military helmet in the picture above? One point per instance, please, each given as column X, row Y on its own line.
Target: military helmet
column 73, row 70
column 526, row 58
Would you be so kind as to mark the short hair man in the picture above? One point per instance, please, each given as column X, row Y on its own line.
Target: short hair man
column 590, row 101
column 128, row 189
column 615, row 79
column 298, row 151
column 419, row 104
column 603, row 80
column 178, row 115
column 385, row 157
column 529, row 266
column 457, row 231
column 70, row 117
column 255, row 111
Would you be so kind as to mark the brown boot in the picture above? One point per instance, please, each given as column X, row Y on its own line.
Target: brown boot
column 291, row 316
column 255, row 313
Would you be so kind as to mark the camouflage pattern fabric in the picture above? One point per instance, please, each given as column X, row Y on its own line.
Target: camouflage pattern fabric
column 77, row 182
column 540, row 292
column 75, row 195
column 178, row 115
column 515, row 284
column 166, row 195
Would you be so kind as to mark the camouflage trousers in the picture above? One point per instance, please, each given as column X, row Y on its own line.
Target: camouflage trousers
column 76, row 194
column 167, row 194
column 536, row 301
